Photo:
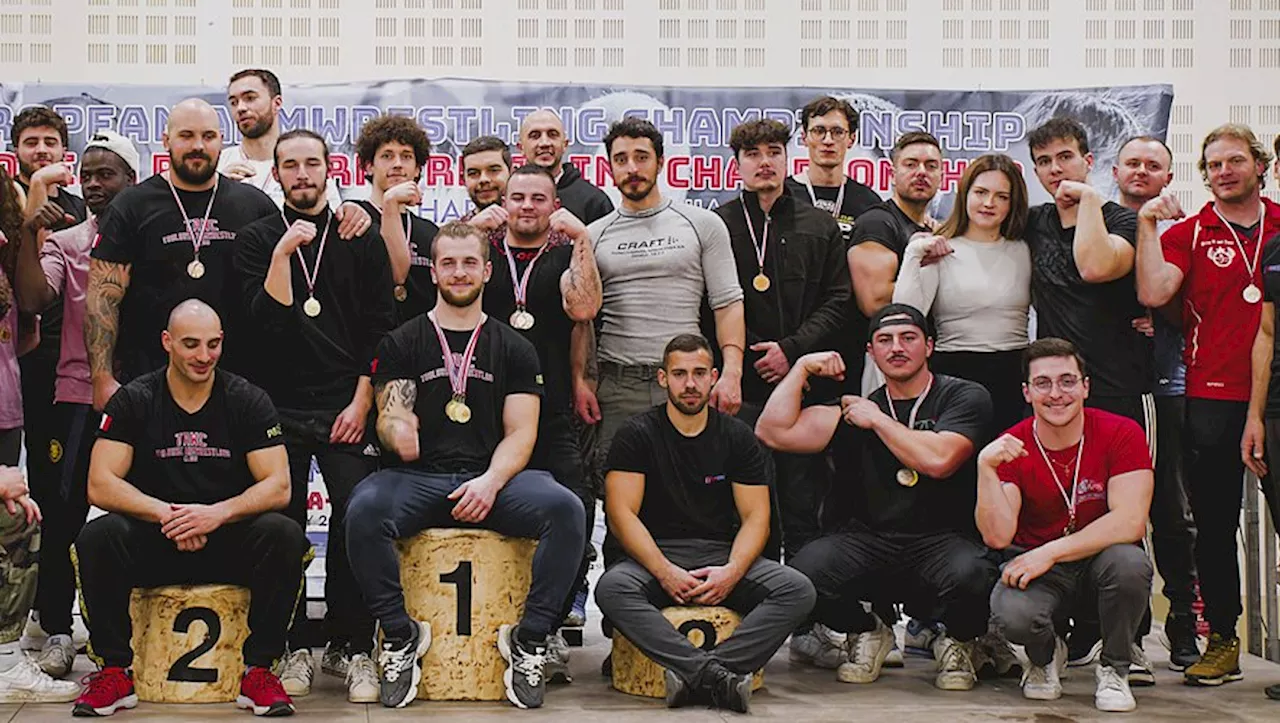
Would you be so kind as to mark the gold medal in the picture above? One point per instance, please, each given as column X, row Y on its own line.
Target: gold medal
column 760, row 282
column 195, row 269
column 457, row 410
column 522, row 320
column 311, row 307
column 400, row 292
column 907, row 477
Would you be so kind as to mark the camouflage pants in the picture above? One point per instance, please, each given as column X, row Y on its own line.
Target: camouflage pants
column 19, row 552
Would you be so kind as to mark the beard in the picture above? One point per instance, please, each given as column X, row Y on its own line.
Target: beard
column 641, row 191
column 687, row 408
column 261, row 126
column 305, row 199
column 27, row 170
column 459, row 300
column 192, row 176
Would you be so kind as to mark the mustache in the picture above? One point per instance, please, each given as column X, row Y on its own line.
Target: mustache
column 635, row 179
column 201, row 155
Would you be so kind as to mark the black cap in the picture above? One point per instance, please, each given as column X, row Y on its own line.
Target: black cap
column 892, row 315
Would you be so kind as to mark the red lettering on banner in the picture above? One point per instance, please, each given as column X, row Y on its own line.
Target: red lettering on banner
column 707, row 171
column 603, row 172
column 315, row 501
column 340, row 169
column 440, row 170
column 863, row 171
column 674, row 178
column 732, row 177
column 581, row 162
column 159, row 163
column 952, row 170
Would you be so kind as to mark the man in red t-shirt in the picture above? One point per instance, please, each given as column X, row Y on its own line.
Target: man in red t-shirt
column 1212, row 259
column 1066, row 496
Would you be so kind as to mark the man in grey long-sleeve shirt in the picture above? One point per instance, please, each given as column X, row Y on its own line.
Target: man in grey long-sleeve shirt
column 657, row 260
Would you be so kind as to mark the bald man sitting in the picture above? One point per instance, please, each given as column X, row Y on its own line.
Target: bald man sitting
column 191, row 467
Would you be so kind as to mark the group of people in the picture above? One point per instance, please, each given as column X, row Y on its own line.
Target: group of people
column 200, row 336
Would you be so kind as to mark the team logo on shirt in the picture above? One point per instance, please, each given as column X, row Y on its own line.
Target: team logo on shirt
column 206, row 230
column 1221, row 256
column 274, row 431
column 712, row 479
column 55, row 451
column 1090, row 490
column 191, row 446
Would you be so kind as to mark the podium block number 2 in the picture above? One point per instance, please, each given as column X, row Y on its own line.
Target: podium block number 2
column 181, row 671
column 461, row 576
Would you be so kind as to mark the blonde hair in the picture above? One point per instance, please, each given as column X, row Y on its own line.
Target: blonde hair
column 1239, row 132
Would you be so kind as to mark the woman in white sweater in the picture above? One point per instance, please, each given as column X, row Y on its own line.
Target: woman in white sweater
column 974, row 280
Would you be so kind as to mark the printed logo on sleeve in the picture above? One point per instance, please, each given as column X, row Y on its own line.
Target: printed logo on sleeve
column 712, row 479
column 274, row 431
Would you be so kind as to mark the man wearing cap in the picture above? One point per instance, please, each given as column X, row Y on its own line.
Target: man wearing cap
column 906, row 452
column 60, row 268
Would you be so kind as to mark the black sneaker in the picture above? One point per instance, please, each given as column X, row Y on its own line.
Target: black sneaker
column 679, row 694
column 524, row 677
column 1183, row 651
column 400, row 667
column 731, row 691
column 1273, row 691
column 1084, row 646
column 606, row 666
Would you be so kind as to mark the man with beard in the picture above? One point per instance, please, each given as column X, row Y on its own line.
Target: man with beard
column 543, row 143
column 190, row 468
column 167, row 239
column 1056, row 543
column 60, row 268
column 486, row 166
column 316, row 313
column 458, row 402
column 40, row 138
column 393, row 150
column 1211, row 258
column 829, row 127
column 688, row 499
column 907, row 452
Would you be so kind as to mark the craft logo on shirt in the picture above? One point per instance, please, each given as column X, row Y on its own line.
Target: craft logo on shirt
column 1089, row 490
column 651, row 247
column 1221, row 256
column 209, row 234
column 712, row 479
column 191, row 446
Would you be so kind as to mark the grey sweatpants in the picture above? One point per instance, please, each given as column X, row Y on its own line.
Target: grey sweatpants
column 1119, row 576
column 772, row 599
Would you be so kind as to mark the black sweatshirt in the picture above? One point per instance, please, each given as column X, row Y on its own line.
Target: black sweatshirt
column 582, row 199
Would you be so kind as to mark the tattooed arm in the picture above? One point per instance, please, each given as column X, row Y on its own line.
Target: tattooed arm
column 108, row 282
column 584, row 368
column 580, row 284
column 397, row 424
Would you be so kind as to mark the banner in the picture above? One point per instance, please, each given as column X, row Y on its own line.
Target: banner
column 696, row 122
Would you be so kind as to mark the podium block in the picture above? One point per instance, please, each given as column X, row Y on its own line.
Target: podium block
column 187, row 642
column 636, row 674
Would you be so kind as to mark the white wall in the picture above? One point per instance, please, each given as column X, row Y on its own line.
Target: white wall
column 1222, row 56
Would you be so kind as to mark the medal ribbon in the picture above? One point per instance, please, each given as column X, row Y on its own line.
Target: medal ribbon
column 520, row 284
column 458, row 374
column 1262, row 215
column 759, row 244
column 813, row 198
column 196, row 241
column 1070, row 502
column 911, row 421
column 311, row 276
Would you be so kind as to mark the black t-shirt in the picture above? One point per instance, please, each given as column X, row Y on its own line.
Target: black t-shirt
column 313, row 363
column 688, row 481
column 420, row 290
column 51, row 317
column 1097, row 318
column 552, row 328
column 865, row 464
column 191, row 458
column 144, row 227
column 858, row 199
column 504, row 363
column 1271, row 294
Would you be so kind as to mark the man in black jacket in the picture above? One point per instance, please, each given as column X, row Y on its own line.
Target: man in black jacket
column 789, row 258
column 543, row 142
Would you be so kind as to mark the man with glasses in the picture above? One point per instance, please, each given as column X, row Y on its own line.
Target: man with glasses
column 829, row 128
column 1065, row 496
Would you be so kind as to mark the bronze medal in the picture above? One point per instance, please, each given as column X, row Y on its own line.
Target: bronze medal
column 400, row 292
column 761, row 282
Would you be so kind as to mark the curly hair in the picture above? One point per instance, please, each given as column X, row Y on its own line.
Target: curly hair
column 38, row 116
column 10, row 223
column 392, row 128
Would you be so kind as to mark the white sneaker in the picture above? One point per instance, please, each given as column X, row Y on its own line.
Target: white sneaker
column 955, row 664
column 1113, row 694
column 33, row 636
column 25, row 682
column 894, row 658
column 866, row 655
column 362, row 679
column 821, row 647
column 1045, row 683
column 57, row 657
column 297, row 670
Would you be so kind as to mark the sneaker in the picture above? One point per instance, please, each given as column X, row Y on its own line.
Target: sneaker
column 335, row 660
column 1045, row 683
column 262, row 693
column 33, row 635
column 993, row 657
column 525, row 675
column 678, row 693
column 894, row 658
column 918, row 638
column 1113, row 694
column 296, row 671
column 362, row 679
column 1273, row 691
column 955, row 664
column 577, row 616
column 867, row 652
column 820, row 646
column 1140, row 673
column 1079, row 656
column 557, row 668
column 105, row 692
column 57, row 657
column 25, row 682
column 401, row 667
column 1181, row 633
column 1219, row 664
column 731, row 691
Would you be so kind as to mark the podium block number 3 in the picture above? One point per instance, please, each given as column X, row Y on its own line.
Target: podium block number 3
column 181, row 671
column 461, row 576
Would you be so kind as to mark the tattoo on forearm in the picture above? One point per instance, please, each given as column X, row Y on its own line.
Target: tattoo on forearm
column 396, row 396
column 584, row 277
column 107, row 285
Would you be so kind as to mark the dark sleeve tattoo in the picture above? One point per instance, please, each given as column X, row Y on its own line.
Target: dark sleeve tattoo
column 395, row 395
column 108, row 282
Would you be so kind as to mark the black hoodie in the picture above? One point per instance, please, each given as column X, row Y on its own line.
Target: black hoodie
column 582, row 199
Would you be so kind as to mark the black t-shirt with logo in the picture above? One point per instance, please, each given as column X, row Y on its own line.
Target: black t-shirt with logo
column 858, row 199
column 1097, row 318
column 552, row 328
column 869, row 469
column 420, row 290
column 191, row 458
column 144, row 227
column 504, row 363
column 688, row 481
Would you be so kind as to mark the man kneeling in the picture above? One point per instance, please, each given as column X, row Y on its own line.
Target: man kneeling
column 458, row 399
column 189, row 464
column 687, row 496
column 1066, row 494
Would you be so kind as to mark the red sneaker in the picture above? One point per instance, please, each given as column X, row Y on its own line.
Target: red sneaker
column 105, row 692
column 261, row 692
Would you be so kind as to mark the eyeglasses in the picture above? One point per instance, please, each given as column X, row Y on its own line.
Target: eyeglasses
column 819, row 132
column 1067, row 383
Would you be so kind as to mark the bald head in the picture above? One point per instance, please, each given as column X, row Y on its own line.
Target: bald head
column 193, row 138
column 193, row 312
column 543, row 140
column 191, row 110
column 193, row 341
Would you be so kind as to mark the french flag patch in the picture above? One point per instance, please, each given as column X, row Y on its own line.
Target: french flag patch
column 373, row 366
column 105, row 424
column 712, row 479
